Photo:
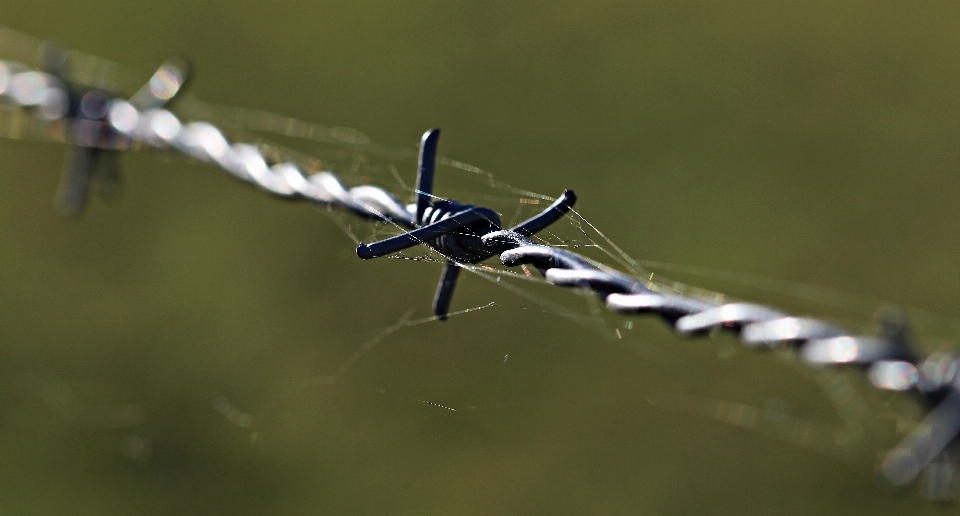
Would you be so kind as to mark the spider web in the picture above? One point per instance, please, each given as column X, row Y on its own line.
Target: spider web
column 858, row 422
column 861, row 418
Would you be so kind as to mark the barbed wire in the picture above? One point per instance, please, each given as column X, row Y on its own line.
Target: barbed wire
column 96, row 122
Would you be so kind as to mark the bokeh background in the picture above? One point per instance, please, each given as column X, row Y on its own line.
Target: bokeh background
column 155, row 355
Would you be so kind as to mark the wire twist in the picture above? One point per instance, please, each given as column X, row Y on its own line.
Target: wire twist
column 97, row 120
column 889, row 360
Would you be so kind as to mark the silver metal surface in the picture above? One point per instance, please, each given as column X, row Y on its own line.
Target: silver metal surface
column 788, row 329
column 848, row 350
column 142, row 122
column 730, row 315
column 904, row 463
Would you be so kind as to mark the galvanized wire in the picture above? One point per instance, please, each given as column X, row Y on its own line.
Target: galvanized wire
column 97, row 121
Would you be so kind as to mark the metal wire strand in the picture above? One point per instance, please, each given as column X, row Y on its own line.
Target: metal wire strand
column 888, row 359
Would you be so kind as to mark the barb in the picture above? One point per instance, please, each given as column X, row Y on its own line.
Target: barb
column 93, row 120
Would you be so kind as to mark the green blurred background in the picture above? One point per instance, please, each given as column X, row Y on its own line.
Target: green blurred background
column 806, row 141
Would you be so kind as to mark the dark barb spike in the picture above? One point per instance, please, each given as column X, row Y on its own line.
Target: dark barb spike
column 163, row 86
column 455, row 230
column 895, row 329
column 88, row 161
column 448, row 281
column 425, row 166
column 423, row 234
column 75, row 178
column 74, row 184
column 555, row 212
column 54, row 59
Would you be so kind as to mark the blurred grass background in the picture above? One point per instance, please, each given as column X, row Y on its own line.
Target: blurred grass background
column 807, row 141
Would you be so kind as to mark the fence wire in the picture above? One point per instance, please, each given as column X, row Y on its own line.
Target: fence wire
column 47, row 102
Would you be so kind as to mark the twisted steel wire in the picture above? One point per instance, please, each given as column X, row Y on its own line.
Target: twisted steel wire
column 95, row 120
